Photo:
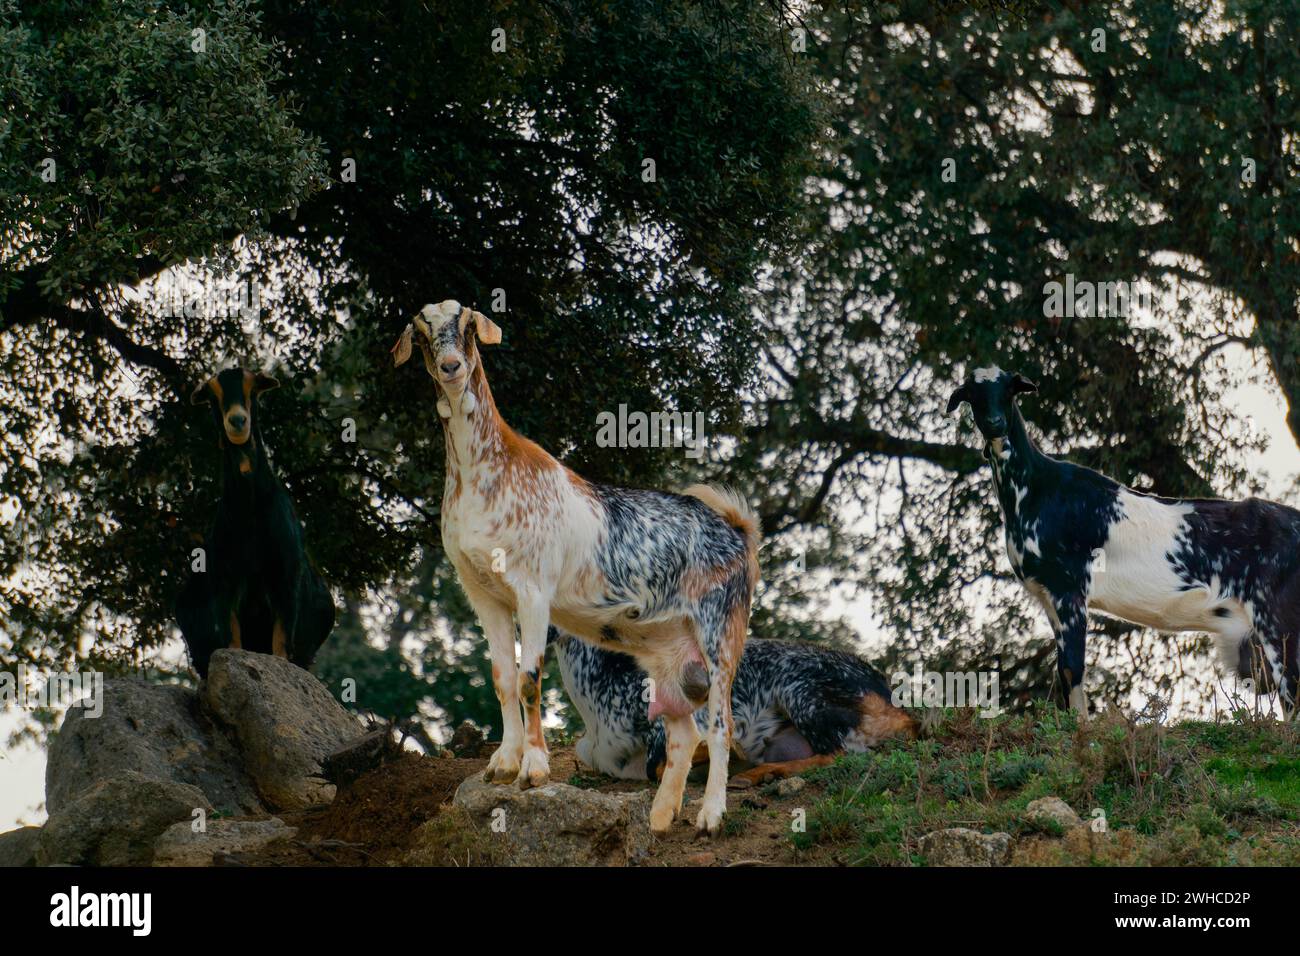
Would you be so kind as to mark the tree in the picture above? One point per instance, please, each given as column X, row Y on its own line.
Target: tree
column 976, row 161
column 604, row 180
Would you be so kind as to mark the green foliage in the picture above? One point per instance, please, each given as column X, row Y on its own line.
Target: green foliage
column 160, row 152
column 385, row 685
column 799, row 268
column 505, row 178
column 1122, row 164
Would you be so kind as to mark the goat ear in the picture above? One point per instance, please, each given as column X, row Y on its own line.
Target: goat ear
column 488, row 332
column 961, row 395
column 203, row 394
column 263, row 383
column 401, row 350
column 1020, row 385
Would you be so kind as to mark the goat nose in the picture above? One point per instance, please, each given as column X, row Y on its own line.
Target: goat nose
column 237, row 422
column 450, row 366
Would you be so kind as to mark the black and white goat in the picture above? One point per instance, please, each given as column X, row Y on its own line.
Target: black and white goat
column 1079, row 540
column 794, row 705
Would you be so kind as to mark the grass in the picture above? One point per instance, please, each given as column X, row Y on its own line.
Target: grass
column 452, row 838
column 1191, row 794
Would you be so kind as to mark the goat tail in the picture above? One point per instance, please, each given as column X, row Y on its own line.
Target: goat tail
column 736, row 511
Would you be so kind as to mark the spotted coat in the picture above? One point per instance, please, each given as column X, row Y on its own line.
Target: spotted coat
column 667, row 578
column 1080, row 541
column 790, row 700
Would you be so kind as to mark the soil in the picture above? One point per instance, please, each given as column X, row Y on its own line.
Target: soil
column 372, row 820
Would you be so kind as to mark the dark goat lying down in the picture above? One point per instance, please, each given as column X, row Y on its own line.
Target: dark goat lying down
column 1079, row 541
column 795, row 705
column 259, row 590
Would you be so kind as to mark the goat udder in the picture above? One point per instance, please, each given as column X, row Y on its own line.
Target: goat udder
column 669, row 700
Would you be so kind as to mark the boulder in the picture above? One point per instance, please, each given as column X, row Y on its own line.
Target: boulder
column 18, row 847
column 1053, row 814
column 117, row 820
column 156, row 730
column 962, row 847
column 179, row 845
column 284, row 723
column 559, row 825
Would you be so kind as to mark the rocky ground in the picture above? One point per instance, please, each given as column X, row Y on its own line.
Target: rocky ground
column 262, row 767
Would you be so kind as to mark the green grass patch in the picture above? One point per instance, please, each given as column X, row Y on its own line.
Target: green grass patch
column 1192, row 794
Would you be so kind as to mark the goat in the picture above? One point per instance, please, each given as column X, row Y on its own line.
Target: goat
column 667, row 578
column 258, row 589
column 1079, row 541
column 795, row 705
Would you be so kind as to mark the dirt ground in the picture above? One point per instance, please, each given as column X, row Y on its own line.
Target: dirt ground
column 1197, row 793
column 372, row 821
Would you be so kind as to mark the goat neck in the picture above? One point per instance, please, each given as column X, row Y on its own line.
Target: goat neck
column 1015, row 460
column 246, row 469
column 474, row 433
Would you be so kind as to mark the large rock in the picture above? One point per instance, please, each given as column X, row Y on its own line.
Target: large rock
column 962, row 847
column 155, row 730
column 559, row 825
column 284, row 723
column 179, row 845
column 1052, row 814
column 117, row 820
column 18, row 847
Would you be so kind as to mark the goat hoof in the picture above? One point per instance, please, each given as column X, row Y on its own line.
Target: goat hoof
column 503, row 767
column 534, row 771
column 1079, row 702
column 709, row 822
column 661, row 819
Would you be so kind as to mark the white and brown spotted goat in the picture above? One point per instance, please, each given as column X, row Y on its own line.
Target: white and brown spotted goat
column 666, row 578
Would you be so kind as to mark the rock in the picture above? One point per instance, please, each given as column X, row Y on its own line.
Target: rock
column 155, row 730
column 962, row 847
column 117, row 820
column 559, row 825
column 467, row 741
column 18, row 847
column 790, row 786
column 284, row 722
column 1052, row 813
column 348, row 763
column 179, row 845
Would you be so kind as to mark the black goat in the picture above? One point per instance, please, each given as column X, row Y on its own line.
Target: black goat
column 257, row 588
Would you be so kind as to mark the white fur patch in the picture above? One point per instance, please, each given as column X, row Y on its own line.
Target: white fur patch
column 990, row 374
column 1141, row 586
column 439, row 315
